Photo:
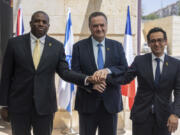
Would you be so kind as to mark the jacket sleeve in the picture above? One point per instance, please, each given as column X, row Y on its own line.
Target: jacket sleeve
column 121, row 67
column 65, row 73
column 176, row 104
column 123, row 78
column 76, row 66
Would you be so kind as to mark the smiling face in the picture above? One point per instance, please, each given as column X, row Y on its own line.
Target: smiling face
column 157, row 43
column 39, row 24
column 98, row 27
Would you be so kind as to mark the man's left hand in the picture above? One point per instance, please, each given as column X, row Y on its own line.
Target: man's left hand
column 4, row 114
column 172, row 123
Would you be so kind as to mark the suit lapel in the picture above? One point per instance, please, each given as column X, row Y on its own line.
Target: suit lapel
column 107, row 52
column 45, row 52
column 27, row 49
column 165, row 68
column 150, row 69
column 91, row 53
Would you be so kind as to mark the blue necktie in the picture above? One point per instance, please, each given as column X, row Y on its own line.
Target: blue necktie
column 157, row 74
column 100, row 61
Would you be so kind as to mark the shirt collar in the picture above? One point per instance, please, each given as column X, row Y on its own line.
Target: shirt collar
column 161, row 58
column 33, row 38
column 95, row 42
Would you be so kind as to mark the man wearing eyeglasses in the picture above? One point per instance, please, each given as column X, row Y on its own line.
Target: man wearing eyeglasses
column 158, row 76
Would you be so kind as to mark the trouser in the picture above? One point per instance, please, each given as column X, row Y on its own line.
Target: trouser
column 23, row 123
column 105, row 122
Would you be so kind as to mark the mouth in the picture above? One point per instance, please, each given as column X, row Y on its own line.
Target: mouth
column 40, row 29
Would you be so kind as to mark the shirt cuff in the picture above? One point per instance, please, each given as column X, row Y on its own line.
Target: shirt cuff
column 109, row 70
column 85, row 81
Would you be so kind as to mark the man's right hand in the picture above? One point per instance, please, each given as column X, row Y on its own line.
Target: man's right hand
column 100, row 87
column 4, row 114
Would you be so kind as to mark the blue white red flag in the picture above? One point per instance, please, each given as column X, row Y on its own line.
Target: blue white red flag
column 129, row 89
column 20, row 24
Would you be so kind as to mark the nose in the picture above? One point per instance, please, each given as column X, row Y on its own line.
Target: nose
column 40, row 23
column 99, row 27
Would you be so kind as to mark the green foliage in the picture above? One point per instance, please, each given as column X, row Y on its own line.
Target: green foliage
column 150, row 17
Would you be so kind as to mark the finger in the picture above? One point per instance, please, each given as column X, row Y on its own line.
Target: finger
column 168, row 123
column 102, row 86
column 101, row 90
column 104, row 83
column 174, row 127
column 99, row 76
column 103, row 76
column 170, row 128
column 98, row 88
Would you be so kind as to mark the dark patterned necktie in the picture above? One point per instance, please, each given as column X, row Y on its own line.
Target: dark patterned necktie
column 157, row 73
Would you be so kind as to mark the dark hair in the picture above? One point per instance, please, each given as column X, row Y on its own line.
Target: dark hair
column 42, row 12
column 156, row 29
column 95, row 14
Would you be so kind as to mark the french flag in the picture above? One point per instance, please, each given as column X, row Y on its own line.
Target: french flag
column 66, row 90
column 20, row 24
column 129, row 89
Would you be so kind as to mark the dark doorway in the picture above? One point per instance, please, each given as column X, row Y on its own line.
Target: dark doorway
column 6, row 26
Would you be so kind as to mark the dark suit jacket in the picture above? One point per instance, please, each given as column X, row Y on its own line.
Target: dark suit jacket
column 22, row 86
column 83, row 61
column 148, row 93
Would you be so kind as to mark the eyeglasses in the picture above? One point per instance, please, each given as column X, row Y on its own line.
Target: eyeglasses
column 159, row 40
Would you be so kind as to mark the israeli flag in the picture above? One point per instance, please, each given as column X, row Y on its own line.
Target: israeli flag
column 66, row 90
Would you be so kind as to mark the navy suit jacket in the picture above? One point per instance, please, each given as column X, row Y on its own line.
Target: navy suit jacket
column 22, row 86
column 149, row 93
column 83, row 61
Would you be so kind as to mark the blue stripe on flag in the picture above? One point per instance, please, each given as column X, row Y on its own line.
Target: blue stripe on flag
column 128, row 23
column 22, row 26
column 68, row 29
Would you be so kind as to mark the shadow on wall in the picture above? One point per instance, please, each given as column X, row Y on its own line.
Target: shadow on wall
column 93, row 5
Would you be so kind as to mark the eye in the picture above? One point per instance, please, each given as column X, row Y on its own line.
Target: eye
column 44, row 22
column 95, row 26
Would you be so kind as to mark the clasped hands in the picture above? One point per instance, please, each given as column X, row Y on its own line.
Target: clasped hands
column 98, row 79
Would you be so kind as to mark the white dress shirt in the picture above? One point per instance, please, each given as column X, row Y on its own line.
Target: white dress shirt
column 33, row 43
column 95, row 49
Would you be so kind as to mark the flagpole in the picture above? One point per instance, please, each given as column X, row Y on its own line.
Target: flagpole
column 122, row 131
column 70, row 130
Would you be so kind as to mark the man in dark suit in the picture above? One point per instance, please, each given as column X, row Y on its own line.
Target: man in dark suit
column 28, row 78
column 99, row 104
column 158, row 76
